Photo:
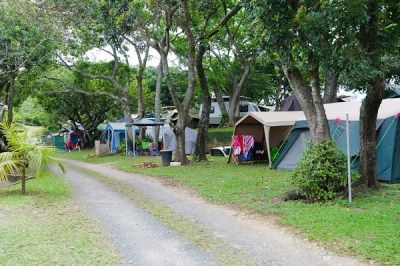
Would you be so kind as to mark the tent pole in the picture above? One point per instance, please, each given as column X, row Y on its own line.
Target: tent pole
column 133, row 141
column 126, row 141
column 348, row 156
column 266, row 132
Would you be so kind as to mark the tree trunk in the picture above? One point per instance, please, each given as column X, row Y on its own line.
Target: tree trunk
column 220, row 100
column 157, row 101
column 322, row 128
column 180, row 127
column 310, row 101
column 221, row 105
column 277, row 99
column 331, row 87
column 204, row 121
column 180, row 147
column 127, row 115
column 237, row 89
column 233, row 104
column 368, row 117
column 23, row 187
column 89, row 141
column 279, row 91
column 368, row 37
column 140, row 97
column 10, row 101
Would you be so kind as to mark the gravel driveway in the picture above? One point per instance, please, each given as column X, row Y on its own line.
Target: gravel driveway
column 140, row 238
column 264, row 241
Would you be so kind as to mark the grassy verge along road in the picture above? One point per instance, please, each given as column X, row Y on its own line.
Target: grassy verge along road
column 367, row 229
column 45, row 227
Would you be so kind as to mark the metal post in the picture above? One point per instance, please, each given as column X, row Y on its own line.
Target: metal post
column 348, row 157
column 126, row 140
column 133, row 141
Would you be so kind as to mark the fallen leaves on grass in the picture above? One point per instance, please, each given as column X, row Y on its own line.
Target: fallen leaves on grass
column 147, row 165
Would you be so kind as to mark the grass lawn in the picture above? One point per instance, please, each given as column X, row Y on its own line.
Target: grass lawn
column 368, row 229
column 45, row 227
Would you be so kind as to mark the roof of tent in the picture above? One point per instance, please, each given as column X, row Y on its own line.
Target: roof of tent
column 117, row 126
column 141, row 122
column 272, row 118
column 389, row 107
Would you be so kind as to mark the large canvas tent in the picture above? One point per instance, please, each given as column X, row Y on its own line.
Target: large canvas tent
column 268, row 128
column 388, row 137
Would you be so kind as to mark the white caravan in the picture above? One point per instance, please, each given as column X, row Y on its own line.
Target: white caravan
column 244, row 107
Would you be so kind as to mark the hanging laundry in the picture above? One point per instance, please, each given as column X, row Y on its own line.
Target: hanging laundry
column 237, row 144
column 248, row 144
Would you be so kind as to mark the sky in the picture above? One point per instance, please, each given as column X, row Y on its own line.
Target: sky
column 98, row 55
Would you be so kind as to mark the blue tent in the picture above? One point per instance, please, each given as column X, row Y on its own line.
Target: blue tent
column 114, row 133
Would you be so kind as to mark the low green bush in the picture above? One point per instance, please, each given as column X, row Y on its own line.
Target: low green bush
column 121, row 149
column 321, row 173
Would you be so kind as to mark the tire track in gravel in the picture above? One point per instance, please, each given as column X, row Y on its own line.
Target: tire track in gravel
column 141, row 239
column 263, row 241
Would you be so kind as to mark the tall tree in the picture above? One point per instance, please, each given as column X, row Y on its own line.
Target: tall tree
column 211, row 21
column 163, row 19
column 26, row 43
column 236, row 50
column 98, row 26
column 71, row 96
column 376, row 32
column 291, row 29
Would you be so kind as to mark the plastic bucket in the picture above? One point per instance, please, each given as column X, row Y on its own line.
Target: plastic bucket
column 166, row 157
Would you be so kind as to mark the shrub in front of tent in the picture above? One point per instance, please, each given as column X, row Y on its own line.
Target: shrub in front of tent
column 321, row 174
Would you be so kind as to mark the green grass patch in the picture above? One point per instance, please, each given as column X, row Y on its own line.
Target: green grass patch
column 45, row 227
column 368, row 229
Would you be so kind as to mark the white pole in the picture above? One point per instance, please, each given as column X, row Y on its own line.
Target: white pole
column 266, row 134
column 348, row 156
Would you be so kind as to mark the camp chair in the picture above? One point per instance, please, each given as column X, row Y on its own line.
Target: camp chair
column 144, row 148
column 154, row 150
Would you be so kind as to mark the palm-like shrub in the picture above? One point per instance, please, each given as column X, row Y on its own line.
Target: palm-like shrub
column 23, row 156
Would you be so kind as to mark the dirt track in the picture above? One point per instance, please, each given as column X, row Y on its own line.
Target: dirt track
column 142, row 239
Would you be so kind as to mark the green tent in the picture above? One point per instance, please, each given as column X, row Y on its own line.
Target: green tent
column 388, row 140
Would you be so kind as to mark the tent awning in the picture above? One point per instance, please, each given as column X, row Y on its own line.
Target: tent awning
column 272, row 119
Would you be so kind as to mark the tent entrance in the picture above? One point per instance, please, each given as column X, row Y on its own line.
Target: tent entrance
column 265, row 139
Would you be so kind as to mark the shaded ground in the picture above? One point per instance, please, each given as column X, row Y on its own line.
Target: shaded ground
column 263, row 241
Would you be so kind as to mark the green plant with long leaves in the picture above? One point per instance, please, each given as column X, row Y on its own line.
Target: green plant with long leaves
column 23, row 156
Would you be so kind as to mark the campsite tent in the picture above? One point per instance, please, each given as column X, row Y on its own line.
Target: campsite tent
column 114, row 133
column 388, row 141
column 291, row 103
column 190, row 140
column 268, row 128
